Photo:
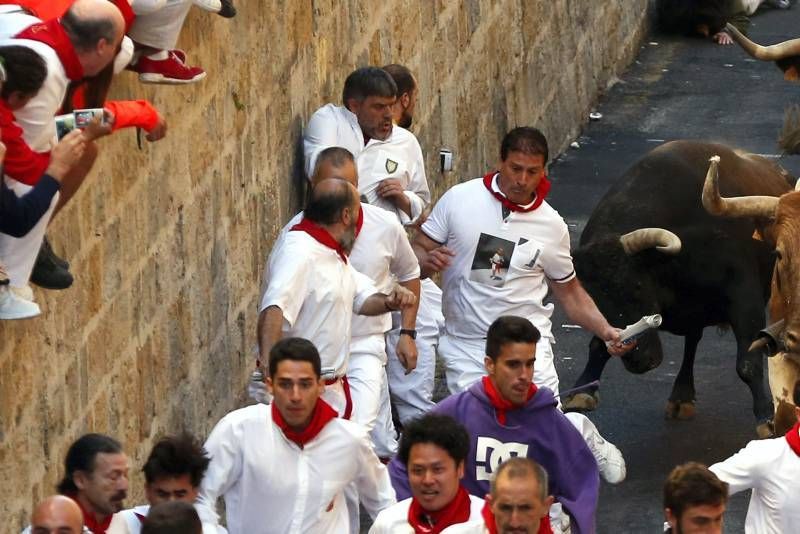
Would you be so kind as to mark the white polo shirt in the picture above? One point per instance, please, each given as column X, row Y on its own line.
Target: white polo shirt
column 394, row 520
column 469, row 220
column 398, row 157
column 772, row 470
column 271, row 485
column 317, row 293
column 383, row 253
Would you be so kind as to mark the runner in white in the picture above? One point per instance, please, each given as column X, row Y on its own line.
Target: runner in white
column 391, row 168
column 434, row 449
column 518, row 501
column 312, row 290
column 771, row 468
column 469, row 223
column 284, row 467
column 381, row 252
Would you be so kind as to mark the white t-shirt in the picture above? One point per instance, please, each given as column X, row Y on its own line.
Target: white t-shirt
column 271, row 485
column 317, row 293
column 772, row 470
column 398, row 157
column 383, row 254
column 37, row 117
column 470, row 527
column 394, row 520
column 469, row 220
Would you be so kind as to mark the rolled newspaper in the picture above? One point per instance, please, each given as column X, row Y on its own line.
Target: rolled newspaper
column 632, row 331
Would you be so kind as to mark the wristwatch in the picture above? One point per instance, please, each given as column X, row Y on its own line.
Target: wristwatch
column 409, row 332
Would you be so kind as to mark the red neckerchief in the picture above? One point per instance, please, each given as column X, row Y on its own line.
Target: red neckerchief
column 324, row 237
column 541, row 192
column 491, row 526
column 323, row 413
column 125, row 8
column 500, row 404
column 89, row 520
column 52, row 34
column 793, row 438
column 140, row 517
column 457, row 511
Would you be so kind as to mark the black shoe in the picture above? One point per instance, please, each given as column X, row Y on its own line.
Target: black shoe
column 48, row 250
column 227, row 11
column 47, row 273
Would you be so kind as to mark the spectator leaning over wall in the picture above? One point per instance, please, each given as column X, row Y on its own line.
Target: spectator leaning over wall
column 81, row 43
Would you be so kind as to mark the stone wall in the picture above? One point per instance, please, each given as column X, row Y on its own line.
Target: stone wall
column 168, row 242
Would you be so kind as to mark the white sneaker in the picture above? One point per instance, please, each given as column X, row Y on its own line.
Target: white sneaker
column 213, row 6
column 15, row 306
column 609, row 458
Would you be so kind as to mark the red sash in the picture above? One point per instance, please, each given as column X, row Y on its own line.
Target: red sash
column 323, row 236
column 541, row 192
column 424, row 522
column 500, row 404
column 793, row 438
column 491, row 526
column 323, row 413
column 53, row 35
column 89, row 520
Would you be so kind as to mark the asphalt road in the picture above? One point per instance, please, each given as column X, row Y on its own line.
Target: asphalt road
column 678, row 88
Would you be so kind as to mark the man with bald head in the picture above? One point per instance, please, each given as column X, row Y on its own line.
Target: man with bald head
column 381, row 252
column 57, row 515
column 312, row 289
column 77, row 45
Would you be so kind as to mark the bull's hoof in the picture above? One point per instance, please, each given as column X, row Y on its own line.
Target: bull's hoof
column 582, row 402
column 765, row 430
column 680, row 410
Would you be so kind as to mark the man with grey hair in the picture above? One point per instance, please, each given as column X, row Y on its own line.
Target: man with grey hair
column 518, row 501
column 391, row 169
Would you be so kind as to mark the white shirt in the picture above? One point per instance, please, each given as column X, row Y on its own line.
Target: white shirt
column 317, row 293
column 383, row 253
column 37, row 117
column 772, row 470
column 394, row 520
column 470, row 527
column 271, row 485
column 398, row 157
column 469, row 220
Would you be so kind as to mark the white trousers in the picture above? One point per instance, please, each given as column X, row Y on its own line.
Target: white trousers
column 412, row 393
column 463, row 359
column 369, row 389
column 19, row 254
column 159, row 28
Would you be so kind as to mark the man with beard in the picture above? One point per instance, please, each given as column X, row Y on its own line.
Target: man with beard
column 407, row 93
column 284, row 467
column 96, row 478
column 694, row 500
column 312, row 290
column 433, row 449
column 391, row 168
column 517, row 503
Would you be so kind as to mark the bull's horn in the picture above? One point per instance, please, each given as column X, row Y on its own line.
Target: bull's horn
column 644, row 238
column 764, row 53
column 753, row 206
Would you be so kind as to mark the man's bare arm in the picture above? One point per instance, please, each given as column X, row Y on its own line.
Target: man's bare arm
column 270, row 321
column 433, row 256
column 399, row 298
column 406, row 346
column 582, row 310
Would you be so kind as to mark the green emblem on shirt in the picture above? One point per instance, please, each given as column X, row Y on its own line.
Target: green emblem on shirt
column 391, row 165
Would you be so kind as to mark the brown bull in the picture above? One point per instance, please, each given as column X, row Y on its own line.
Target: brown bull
column 781, row 216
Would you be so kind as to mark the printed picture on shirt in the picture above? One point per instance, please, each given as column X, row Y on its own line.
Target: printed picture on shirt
column 491, row 261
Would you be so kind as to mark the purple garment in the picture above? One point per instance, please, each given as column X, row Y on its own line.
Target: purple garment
column 537, row 430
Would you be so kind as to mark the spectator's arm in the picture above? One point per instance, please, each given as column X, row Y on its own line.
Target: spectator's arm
column 19, row 214
column 134, row 113
column 20, row 162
